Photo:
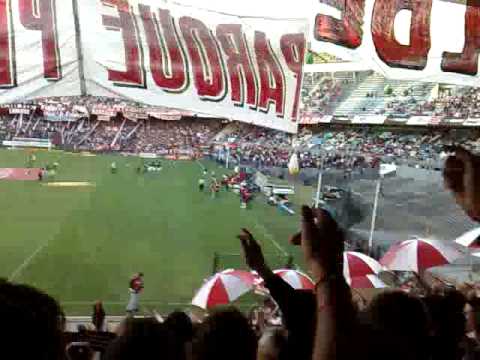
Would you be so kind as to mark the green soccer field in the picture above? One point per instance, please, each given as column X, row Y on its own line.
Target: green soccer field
column 81, row 244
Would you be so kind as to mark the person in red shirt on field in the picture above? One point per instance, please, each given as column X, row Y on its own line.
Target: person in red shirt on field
column 136, row 286
column 245, row 197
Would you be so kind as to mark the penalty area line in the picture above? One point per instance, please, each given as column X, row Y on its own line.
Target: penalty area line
column 269, row 236
column 27, row 262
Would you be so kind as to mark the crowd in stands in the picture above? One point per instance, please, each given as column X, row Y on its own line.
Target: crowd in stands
column 163, row 136
column 340, row 147
column 322, row 93
column 460, row 104
column 424, row 322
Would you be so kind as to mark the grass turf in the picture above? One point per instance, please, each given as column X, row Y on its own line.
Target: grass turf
column 82, row 244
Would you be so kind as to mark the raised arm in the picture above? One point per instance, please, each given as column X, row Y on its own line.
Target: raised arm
column 279, row 289
column 322, row 242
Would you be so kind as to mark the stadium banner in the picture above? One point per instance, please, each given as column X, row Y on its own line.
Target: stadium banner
column 427, row 40
column 419, row 120
column 17, row 109
column 165, row 54
column 28, row 143
column 313, row 119
column 396, row 121
column 369, row 119
column 471, row 122
column 166, row 114
column 453, row 122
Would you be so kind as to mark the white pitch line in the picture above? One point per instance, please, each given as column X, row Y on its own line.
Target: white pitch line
column 200, row 164
column 27, row 262
column 264, row 230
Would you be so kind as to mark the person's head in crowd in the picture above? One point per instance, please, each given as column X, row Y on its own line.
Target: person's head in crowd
column 273, row 345
column 448, row 323
column 31, row 323
column 79, row 351
column 144, row 339
column 225, row 334
column 447, row 317
column 395, row 325
column 181, row 325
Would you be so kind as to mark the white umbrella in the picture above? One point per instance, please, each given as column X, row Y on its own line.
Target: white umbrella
column 470, row 239
column 366, row 282
column 420, row 254
column 296, row 279
column 356, row 264
column 223, row 288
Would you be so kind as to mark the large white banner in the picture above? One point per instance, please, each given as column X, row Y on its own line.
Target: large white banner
column 155, row 53
column 426, row 40
column 241, row 69
column 38, row 50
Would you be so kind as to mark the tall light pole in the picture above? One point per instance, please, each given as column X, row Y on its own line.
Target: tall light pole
column 319, row 184
column 374, row 215
column 227, row 160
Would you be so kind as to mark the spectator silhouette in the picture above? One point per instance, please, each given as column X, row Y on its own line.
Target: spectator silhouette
column 31, row 326
column 225, row 334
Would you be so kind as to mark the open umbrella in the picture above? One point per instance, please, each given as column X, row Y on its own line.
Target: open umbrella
column 470, row 239
column 296, row 279
column 223, row 288
column 366, row 282
column 356, row 264
column 419, row 254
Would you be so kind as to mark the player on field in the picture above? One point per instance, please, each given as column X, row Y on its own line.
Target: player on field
column 113, row 167
column 201, row 184
column 135, row 287
column 214, row 187
column 31, row 160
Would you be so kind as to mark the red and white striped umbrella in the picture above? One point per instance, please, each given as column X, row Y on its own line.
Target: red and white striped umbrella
column 366, row 282
column 419, row 254
column 470, row 239
column 296, row 279
column 223, row 288
column 356, row 264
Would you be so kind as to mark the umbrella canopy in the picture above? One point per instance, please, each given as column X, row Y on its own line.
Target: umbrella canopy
column 223, row 288
column 366, row 282
column 356, row 264
column 296, row 279
column 419, row 254
column 470, row 239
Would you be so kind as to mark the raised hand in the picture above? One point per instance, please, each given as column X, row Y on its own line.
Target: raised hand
column 322, row 242
column 252, row 252
column 462, row 177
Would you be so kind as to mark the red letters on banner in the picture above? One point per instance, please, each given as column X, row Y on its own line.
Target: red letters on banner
column 239, row 63
column 125, row 22
column 43, row 19
column 346, row 32
column 467, row 61
column 207, row 67
column 7, row 73
column 272, row 79
column 293, row 49
column 394, row 54
column 168, row 67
